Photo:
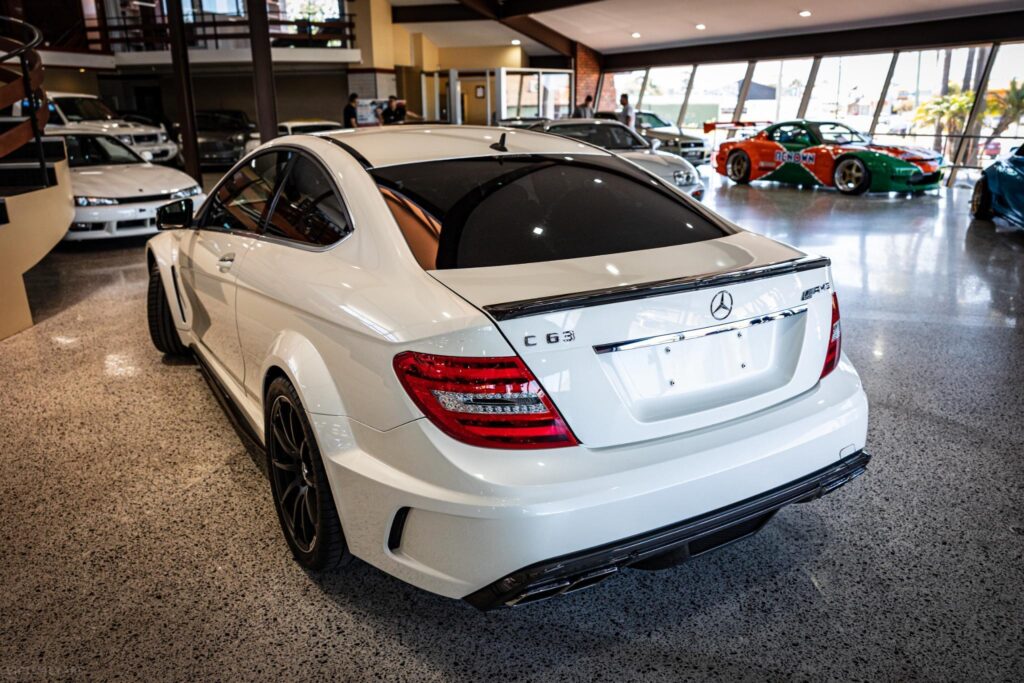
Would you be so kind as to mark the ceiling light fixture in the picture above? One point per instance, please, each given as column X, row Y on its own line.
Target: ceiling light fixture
column 700, row 27
column 517, row 42
column 804, row 13
column 635, row 34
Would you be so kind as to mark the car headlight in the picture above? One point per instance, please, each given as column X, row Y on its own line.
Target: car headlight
column 126, row 139
column 162, row 137
column 187, row 192
column 94, row 201
column 683, row 178
column 238, row 137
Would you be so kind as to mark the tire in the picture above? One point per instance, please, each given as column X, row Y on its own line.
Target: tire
column 737, row 167
column 161, row 321
column 981, row 200
column 298, row 483
column 851, row 176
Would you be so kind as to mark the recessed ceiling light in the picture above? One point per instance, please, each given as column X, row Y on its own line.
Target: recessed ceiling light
column 700, row 27
column 516, row 41
column 635, row 34
column 804, row 13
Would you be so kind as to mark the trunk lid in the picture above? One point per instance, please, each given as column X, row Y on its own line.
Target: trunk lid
column 646, row 344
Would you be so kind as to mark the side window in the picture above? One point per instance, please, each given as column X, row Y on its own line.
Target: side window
column 791, row 134
column 308, row 210
column 243, row 198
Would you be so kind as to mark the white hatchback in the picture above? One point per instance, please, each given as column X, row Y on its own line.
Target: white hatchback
column 502, row 365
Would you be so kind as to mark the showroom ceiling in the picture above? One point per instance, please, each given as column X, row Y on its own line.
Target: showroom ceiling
column 627, row 25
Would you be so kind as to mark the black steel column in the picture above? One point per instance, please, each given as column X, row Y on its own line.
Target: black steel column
column 262, row 69
column 183, row 86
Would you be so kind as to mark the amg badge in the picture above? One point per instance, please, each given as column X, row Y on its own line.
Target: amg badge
column 808, row 293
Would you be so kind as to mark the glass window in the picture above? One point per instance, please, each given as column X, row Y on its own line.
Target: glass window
column 495, row 211
column 554, row 95
column 666, row 90
column 84, row 109
column 240, row 201
column 847, row 89
column 776, row 90
column 618, row 84
column 1001, row 127
column 308, row 209
column 222, row 120
column 602, row 135
column 716, row 88
column 98, row 150
column 930, row 97
column 522, row 95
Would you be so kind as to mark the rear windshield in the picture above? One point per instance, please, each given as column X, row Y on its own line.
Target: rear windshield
column 504, row 210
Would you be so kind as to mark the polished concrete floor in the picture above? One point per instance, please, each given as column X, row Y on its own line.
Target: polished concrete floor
column 139, row 539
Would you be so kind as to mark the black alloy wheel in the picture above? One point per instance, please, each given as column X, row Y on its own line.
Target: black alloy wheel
column 302, row 494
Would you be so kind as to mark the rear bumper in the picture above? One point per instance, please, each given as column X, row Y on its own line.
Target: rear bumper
column 688, row 538
column 455, row 519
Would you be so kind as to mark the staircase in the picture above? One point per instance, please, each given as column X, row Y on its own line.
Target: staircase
column 36, row 205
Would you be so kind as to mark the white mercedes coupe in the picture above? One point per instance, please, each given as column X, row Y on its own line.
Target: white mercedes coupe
column 502, row 365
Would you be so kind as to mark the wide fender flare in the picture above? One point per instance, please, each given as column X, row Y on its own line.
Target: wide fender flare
column 305, row 368
column 878, row 166
column 164, row 250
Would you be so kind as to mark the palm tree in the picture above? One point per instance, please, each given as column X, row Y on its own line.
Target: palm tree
column 1008, row 105
column 947, row 112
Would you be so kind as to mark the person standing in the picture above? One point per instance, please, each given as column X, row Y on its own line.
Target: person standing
column 351, row 116
column 392, row 112
column 627, row 114
column 585, row 110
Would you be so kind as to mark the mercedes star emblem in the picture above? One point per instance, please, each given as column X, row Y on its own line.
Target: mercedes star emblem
column 721, row 305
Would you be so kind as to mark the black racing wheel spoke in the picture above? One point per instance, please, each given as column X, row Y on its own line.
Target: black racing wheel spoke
column 291, row 456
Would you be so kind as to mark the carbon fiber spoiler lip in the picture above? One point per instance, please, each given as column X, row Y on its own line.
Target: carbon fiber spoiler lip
column 609, row 295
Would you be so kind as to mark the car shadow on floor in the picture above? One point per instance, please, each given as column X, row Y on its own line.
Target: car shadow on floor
column 603, row 626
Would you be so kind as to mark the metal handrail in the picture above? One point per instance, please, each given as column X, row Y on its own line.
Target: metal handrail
column 30, row 39
column 32, row 43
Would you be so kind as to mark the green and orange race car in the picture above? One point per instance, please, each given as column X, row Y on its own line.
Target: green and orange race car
column 829, row 154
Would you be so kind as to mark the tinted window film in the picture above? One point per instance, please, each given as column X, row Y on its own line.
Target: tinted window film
column 494, row 211
column 308, row 210
column 241, row 200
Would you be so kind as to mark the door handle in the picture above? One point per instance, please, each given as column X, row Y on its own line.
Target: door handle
column 225, row 262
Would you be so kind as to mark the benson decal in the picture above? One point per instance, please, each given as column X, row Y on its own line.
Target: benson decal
column 794, row 157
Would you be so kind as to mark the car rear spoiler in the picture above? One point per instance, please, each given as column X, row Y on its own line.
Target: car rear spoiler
column 599, row 297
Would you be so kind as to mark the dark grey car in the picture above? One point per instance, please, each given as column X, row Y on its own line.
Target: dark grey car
column 222, row 136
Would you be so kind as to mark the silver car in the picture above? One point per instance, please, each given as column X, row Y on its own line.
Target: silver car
column 621, row 139
column 693, row 148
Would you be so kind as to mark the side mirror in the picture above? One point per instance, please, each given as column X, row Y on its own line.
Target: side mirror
column 146, row 155
column 175, row 216
column 655, row 144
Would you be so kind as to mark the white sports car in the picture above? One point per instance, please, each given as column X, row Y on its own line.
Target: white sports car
column 116, row 192
column 502, row 365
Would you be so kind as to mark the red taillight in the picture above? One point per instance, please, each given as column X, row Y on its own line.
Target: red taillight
column 835, row 340
column 490, row 402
